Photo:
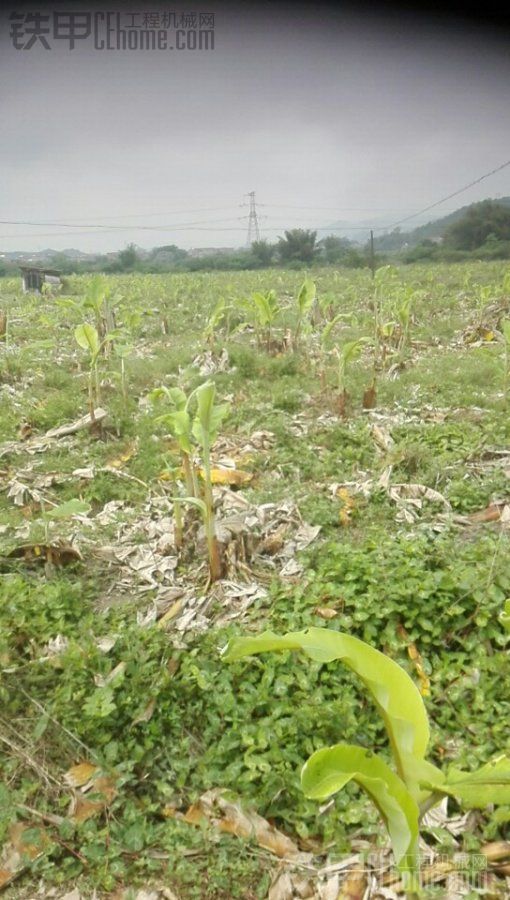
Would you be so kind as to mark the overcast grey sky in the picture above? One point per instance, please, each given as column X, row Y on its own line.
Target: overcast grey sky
column 370, row 116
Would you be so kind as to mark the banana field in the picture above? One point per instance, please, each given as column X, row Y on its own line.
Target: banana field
column 254, row 584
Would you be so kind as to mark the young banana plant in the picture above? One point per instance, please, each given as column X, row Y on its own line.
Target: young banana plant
column 192, row 430
column 404, row 311
column 384, row 281
column 505, row 332
column 267, row 310
column 484, row 295
column 305, row 299
column 219, row 314
column 98, row 298
column 326, row 303
column 179, row 423
column 403, row 793
column 205, row 427
column 386, row 332
column 349, row 352
column 123, row 351
column 87, row 338
column 325, row 345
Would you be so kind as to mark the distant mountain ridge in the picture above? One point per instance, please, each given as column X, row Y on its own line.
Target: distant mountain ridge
column 396, row 239
column 357, row 233
column 434, row 230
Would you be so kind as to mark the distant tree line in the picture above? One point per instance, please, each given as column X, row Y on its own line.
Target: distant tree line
column 297, row 248
column 482, row 232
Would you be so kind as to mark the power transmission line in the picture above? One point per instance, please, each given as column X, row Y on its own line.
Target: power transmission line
column 167, row 228
column 253, row 219
column 170, row 229
column 172, row 212
column 94, row 225
column 449, row 197
column 337, row 209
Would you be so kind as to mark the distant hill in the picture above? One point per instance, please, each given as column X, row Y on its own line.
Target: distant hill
column 432, row 231
column 359, row 232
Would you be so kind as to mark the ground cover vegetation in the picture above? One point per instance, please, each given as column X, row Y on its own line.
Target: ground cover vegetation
column 190, row 460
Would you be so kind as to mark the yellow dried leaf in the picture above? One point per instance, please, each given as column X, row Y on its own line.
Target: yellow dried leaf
column 348, row 504
column 244, row 456
column 26, row 844
column 491, row 514
column 5, row 876
column 194, row 816
column 32, row 847
column 79, row 775
column 227, row 816
column 233, row 477
column 355, row 885
column 171, row 613
column 274, row 542
column 84, row 807
column 370, row 397
column 105, row 786
column 503, row 869
column 325, row 612
column 118, row 461
column 414, row 655
column 496, row 851
column 60, row 554
column 167, row 476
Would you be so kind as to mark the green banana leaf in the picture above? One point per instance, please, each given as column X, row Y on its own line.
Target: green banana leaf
column 328, row 770
column 395, row 694
column 87, row 338
column 306, row 296
column 476, row 790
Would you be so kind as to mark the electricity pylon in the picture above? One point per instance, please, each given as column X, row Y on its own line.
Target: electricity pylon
column 253, row 222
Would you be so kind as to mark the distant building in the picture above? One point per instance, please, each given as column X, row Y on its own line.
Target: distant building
column 33, row 278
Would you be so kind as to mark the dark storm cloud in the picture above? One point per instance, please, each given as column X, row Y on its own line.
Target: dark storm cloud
column 309, row 106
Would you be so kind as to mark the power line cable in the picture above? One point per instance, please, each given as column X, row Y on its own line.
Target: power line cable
column 337, row 209
column 173, row 212
column 199, row 225
column 169, row 229
column 449, row 197
column 94, row 225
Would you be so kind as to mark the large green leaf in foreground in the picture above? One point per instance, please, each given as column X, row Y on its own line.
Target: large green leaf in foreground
column 397, row 697
column 488, row 784
column 328, row 770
